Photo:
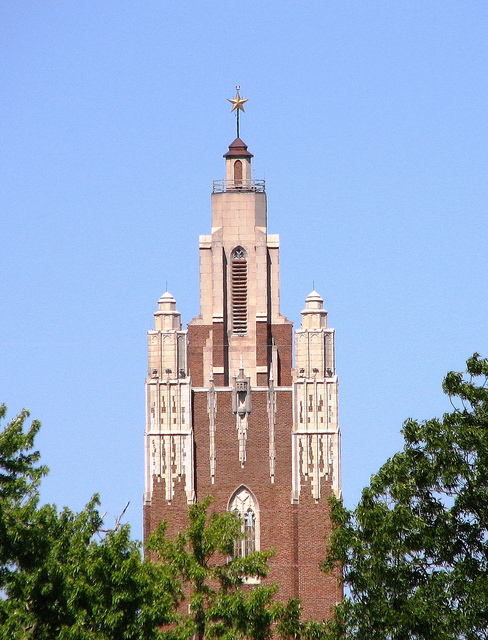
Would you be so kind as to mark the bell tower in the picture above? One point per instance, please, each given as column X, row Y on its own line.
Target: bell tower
column 239, row 284
column 228, row 415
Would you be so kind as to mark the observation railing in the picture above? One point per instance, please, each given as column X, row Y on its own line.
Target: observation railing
column 221, row 186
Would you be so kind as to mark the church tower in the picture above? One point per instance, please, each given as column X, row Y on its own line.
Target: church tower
column 229, row 415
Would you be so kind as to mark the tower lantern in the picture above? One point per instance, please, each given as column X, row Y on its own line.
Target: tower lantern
column 238, row 165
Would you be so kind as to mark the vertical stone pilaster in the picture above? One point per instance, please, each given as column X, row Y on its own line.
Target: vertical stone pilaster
column 272, row 428
column 212, row 413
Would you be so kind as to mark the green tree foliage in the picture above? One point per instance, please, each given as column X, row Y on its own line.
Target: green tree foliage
column 414, row 552
column 290, row 626
column 20, row 476
column 58, row 578
column 61, row 579
column 208, row 578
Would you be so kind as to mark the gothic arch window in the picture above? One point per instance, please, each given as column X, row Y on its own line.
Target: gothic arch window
column 239, row 291
column 238, row 173
column 245, row 505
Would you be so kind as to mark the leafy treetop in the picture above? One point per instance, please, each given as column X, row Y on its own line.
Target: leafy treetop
column 414, row 552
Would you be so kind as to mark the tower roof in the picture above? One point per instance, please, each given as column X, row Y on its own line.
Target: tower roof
column 314, row 299
column 238, row 149
column 167, row 297
column 167, row 305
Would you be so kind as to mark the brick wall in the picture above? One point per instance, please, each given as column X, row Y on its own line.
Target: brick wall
column 197, row 336
column 282, row 335
column 297, row 531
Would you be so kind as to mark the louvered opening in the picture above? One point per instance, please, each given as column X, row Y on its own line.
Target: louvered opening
column 239, row 295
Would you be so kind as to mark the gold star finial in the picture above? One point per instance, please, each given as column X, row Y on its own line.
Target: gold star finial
column 237, row 105
column 237, row 102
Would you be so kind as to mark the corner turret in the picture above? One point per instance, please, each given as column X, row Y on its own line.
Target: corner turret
column 167, row 318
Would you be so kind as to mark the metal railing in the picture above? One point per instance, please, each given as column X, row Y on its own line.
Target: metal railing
column 221, row 186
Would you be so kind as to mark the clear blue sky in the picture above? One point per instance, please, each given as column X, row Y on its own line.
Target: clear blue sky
column 368, row 121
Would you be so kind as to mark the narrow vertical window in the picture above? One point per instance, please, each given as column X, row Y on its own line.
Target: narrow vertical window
column 239, row 291
column 238, row 173
column 244, row 504
column 249, row 527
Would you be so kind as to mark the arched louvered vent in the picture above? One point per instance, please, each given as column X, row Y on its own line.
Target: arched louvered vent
column 238, row 173
column 239, row 291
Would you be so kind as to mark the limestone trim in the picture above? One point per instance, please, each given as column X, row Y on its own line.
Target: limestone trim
column 253, row 389
column 241, row 406
column 169, row 437
column 316, row 436
column 241, row 427
column 272, row 429
column 212, row 413
column 316, row 433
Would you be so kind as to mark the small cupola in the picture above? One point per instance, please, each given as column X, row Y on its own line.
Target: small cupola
column 167, row 317
column 238, row 165
column 314, row 316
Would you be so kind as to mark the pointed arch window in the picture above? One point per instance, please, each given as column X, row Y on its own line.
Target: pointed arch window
column 238, row 173
column 245, row 505
column 239, row 291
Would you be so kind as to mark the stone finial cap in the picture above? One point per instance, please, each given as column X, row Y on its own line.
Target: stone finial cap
column 167, row 297
column 238, row 149
column 314, row 301
column 167, row 305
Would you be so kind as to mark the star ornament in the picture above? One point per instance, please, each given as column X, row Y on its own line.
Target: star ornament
column 237, row 102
